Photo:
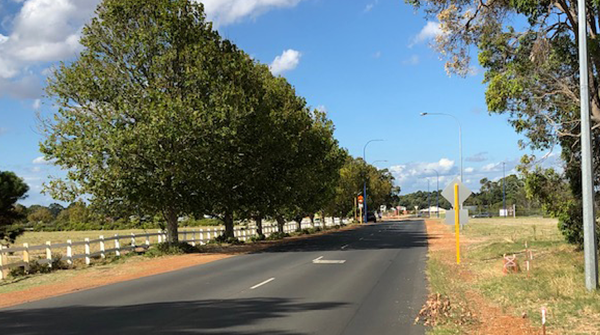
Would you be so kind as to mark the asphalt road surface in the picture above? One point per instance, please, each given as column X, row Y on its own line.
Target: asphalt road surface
column 367, row 281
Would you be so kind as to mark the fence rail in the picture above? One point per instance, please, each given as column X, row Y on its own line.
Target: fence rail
column 88, row 249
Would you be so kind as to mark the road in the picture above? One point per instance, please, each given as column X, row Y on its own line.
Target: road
column 369, row 281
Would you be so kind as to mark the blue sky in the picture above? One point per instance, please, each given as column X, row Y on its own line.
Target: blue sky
column 368, row 63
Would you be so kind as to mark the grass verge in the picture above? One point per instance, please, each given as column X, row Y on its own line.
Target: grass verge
column 555, row 279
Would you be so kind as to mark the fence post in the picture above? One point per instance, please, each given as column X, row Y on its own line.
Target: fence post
column 3, row 262
column 202, row 237
column 185, row 236
column 26, row 256
column 133, row 245
column 147, row 241
column 69, row 252
column 159, row 236
column 87, row 251
column 117, row 245
column 102, row 247
column 194, row 237
column 49, row 253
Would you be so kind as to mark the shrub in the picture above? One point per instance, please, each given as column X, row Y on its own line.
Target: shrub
column 227, row 240
column 278, row 236
column 166, row 248
column 258, row 238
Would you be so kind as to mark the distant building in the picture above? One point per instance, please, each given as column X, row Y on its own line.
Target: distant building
column 433, row 209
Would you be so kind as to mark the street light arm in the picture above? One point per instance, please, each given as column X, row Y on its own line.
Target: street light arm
column 365, row 148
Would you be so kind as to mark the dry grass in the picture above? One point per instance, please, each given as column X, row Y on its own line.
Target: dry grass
column 555, row 281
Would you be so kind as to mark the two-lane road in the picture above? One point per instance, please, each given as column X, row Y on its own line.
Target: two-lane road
column 368, row 280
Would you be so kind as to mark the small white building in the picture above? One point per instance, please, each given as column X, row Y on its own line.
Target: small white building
column 433, row 209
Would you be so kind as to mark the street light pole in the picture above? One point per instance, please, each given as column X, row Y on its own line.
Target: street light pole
column 365, row 181
column 429, row 199
column 437, row 191
column 589, row 217
column 459, row 138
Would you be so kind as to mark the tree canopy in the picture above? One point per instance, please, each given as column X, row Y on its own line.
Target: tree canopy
column 12, row 189
column 529, row 50
column 160, row 115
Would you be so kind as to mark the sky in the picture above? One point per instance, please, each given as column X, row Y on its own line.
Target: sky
column 368, row 63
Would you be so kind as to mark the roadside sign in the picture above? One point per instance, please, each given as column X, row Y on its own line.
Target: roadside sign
column 360, row 205
column 463, row 192
column 464, row 217
column 360, row 199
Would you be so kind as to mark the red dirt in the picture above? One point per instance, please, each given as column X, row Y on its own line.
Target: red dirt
column 490, row 318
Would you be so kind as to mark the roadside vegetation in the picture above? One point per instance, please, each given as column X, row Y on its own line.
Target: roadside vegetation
column 161, row 123
column 555, row 279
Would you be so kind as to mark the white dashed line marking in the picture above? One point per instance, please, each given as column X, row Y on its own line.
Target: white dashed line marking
column 263, row 283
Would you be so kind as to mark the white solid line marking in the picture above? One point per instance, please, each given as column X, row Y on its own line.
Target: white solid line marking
column 261, row 284
column 327, row 261
column 362, row 238
column 317, row 259
column 344, row 246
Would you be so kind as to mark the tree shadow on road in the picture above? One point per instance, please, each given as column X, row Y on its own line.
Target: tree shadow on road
column 406, row 235
column 229, row 316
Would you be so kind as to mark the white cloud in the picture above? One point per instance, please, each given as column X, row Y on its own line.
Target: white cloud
column 413, row 176
column 370, row 6
column 224, row 12
column 478, row 157
column 41, row 160
column 469, row 170
column 413, row 60
column 37, row 103
column 41, row 31
column 429, row 31
column 492, row 167
column 287, row 61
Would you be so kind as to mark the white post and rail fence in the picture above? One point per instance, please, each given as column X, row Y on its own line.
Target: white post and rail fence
column 89, row 249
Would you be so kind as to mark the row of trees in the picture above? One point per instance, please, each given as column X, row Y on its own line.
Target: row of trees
column 79, row 216
column 490, row 197
column 161, row 116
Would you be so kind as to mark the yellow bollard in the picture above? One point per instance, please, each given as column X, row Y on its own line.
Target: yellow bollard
column 457, row 222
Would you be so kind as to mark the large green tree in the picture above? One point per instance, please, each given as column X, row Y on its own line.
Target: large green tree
column 529, row 50
column 151, row 97
column 12, row 189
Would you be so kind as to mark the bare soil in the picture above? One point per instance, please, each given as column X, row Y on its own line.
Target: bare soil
column 489, row 319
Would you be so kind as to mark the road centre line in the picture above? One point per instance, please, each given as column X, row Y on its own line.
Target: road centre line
column 263, row 283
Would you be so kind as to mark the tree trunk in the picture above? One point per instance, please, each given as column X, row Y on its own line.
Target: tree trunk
column 258, row 220
column 312, row 220
column 172, row 227
column 228, row 220
column 299, row 220
column 280, row 223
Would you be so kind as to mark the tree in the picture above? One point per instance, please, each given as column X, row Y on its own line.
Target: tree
column 55, row 209
column 148, row 112
column 41, row 215
column 532, row 71
column 12, row 189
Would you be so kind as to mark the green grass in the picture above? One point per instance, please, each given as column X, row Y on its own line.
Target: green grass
column 556, row 279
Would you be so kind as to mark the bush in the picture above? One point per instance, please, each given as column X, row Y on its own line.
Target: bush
column 278, row 236
column 227, row 240
column 258, row 238
column 166, row 248
column 36, row 267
